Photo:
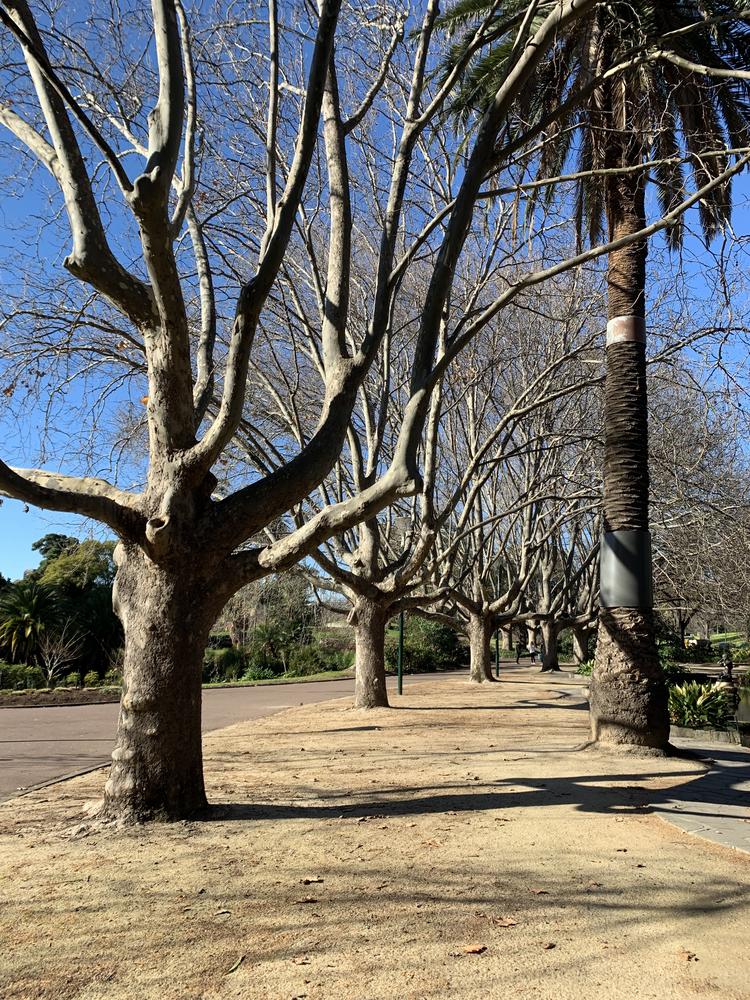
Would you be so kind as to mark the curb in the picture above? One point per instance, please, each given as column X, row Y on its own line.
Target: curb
column 53, row 781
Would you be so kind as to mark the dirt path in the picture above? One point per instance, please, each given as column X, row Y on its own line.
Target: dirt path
column 456, row 847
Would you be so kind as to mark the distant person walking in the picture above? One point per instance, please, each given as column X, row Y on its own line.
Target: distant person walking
column 532, row 651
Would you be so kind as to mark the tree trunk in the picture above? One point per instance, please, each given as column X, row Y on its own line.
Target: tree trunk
column 506, row 639
column 479, row 631
column 628, row 695
column 550, row 661
column 682, row 625
column 369, row 638
column 580, row 645
column 629, row 702
column 157, row 764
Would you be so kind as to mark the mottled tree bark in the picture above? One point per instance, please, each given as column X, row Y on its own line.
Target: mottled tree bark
column 369, row 637
column 479, row 630
column 550, row 658
column 157, row 769
column 581, row 638
column 628, row 694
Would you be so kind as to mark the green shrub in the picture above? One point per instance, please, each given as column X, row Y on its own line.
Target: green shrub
column 342, row 659
column 112, row 678
column 335, row 640
column 565, row 642
column 305, row 660
column 258, row 674
column 699, row 706
column 428, row 646
column 219, row 640
column 696, row 654
column 91, row 679
column 223, row 665
column 72, row 680
column 15, row 676
column 585, row 669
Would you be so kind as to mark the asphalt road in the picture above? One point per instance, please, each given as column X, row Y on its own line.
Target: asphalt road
column 38, row 745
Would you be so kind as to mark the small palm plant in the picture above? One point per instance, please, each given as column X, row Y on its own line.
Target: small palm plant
column 699, row 706
column 27, row 611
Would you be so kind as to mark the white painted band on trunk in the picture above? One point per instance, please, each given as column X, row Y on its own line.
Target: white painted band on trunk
column 626, row 330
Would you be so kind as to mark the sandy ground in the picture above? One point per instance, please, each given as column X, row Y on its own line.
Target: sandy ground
column 454, row 847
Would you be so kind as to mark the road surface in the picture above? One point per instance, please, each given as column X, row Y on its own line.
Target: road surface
column 38, row 745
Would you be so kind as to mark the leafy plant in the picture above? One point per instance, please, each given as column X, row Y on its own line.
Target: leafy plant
column 223, row 665
column 18, row 675
column 27, row 610
column 341, row 659
column 428, row 646
column 259, row 674
column 113, row 677
column 585, row 669
column 305, row 660
column 91, row 679
column 699, row 706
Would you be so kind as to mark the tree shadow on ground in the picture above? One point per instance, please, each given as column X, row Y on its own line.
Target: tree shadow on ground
column 619, row 793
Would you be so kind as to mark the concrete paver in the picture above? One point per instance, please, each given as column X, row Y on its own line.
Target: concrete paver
column 717, row 806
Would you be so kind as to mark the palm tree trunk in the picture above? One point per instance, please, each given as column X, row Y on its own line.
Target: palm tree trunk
column 628, row 694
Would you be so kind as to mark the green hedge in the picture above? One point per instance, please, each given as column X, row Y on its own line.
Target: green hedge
column 223, row 665
column 428, row 646
column 18, row 675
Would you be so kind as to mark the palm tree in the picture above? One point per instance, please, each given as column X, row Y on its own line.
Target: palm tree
column 663, row 112
column 27, row 611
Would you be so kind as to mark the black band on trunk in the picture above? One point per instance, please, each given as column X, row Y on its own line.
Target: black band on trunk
column 625, row 570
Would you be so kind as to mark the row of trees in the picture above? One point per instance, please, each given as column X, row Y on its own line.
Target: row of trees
column 286, row 267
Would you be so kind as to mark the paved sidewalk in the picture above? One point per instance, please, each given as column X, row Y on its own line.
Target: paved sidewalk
column 459, row 845
column 717, row 806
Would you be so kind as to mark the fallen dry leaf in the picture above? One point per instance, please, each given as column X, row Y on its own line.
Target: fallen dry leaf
column 549, row 945
column 474, row 949
column 306, row 899
column 310, row 881
column 236, row 966
column 504, row 921
column 687, row 956
column 540, row 892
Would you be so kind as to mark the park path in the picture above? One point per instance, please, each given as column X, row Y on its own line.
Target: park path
column 460, row 845
column 38, row 745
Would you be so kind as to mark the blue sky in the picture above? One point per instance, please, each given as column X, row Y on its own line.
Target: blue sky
column 19, row 528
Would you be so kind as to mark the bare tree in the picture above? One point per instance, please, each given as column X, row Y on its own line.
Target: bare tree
column 58, row 648
column 153, row 274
